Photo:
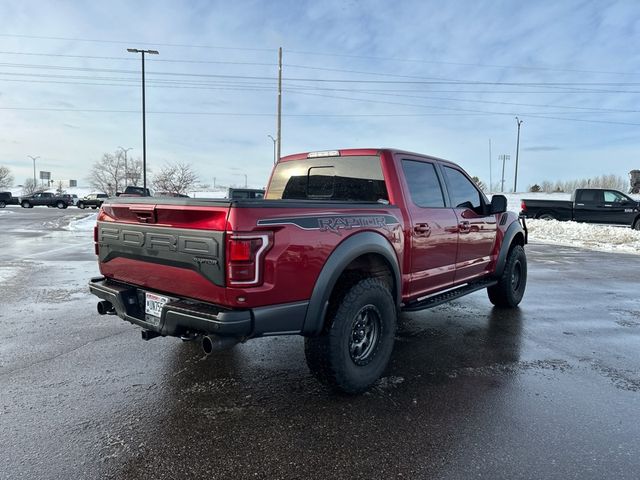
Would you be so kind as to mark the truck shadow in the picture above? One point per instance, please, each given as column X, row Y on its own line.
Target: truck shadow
column 451, row 366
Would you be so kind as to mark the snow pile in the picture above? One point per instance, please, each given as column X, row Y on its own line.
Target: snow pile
column 585, row 235
column 83, row 224
column 213, row 194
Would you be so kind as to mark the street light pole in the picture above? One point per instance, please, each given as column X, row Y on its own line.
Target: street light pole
column 504, row 158
column 144, row 126
column 34, row 168
column 515, row 181
column 126, row 171
column 274, row 149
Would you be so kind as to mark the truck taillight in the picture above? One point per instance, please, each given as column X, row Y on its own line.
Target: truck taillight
column 95, row 240
column 523, row 206
column 245, row 258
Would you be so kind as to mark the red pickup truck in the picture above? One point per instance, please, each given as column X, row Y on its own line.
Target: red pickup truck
column 342, row 242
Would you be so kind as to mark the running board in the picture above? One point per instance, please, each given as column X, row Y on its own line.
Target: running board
column 440, row 298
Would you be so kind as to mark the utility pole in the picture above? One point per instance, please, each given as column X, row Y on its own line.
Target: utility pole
column 34, row 168
column 490, row 177
column 126, row 170
column 515, row 181
column 274, row 149
column 504, row 158
column 144, row 127
column 279, row 132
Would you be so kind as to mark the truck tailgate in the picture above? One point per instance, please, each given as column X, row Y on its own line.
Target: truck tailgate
column 175, row 247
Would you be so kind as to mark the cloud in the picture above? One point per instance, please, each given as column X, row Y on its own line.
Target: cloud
column 471, row 48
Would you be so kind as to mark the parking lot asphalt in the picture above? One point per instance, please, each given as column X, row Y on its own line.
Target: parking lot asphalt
column 549, row 390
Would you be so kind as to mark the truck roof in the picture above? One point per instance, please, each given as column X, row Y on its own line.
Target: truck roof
column 350, row 152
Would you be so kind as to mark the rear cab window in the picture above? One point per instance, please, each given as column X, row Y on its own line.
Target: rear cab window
column 423, row 182
column 343, row 178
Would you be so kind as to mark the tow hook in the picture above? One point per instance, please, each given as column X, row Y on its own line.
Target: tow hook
column 149, row 334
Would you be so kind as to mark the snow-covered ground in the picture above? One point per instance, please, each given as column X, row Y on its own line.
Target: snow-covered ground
column 83, row 224
column 585, row 235
column 595, row 237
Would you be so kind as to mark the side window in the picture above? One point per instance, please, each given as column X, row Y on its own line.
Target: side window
column 614, row 197
column 424, row 186
column 590, row 196
column 462, row 191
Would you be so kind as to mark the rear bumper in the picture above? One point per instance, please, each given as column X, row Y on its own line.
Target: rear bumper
column 186, row 316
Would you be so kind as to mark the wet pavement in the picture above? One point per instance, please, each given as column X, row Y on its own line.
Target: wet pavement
column 551, row 390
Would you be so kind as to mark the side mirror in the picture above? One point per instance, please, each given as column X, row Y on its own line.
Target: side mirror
column 498, row 204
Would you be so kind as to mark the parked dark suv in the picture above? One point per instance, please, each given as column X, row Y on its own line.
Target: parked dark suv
column 93, row 200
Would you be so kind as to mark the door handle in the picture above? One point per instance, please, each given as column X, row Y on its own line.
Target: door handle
column 464, row 227
column 422, row 229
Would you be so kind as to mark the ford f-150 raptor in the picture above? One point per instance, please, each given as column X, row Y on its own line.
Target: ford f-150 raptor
column 342, row 242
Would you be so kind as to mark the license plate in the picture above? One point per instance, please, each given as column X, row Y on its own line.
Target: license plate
column 153, row 307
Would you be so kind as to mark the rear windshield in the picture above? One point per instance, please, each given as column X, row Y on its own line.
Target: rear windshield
column 357, row 178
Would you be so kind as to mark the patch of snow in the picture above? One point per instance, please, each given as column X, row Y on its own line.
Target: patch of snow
column 585, row 235
column 7, row 273
column 4, row 211
column 84, row 224
column 214, row 194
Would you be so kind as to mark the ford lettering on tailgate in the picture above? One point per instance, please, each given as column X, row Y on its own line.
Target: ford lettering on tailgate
column 197, row 250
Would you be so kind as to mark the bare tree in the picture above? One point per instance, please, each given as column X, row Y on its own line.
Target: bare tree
column 29, row 187
column 60, row 190
column 175, row 178
column 480, row 184
column 6, row 179
column 134, row 171
column 107, row 174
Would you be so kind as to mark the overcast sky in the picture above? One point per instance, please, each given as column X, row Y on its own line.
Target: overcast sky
column 440, row 78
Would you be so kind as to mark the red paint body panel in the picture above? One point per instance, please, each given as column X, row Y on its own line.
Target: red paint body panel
column 296, row 256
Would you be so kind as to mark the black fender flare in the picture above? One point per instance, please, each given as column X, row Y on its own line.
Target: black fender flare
column 353, row 247
column 514, row 229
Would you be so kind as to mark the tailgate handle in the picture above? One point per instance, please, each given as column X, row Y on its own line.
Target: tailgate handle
column 146, row 214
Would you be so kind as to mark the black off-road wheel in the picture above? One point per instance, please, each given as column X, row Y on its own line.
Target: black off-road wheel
column 25, row 204
column 636, row 225
column 509, row 290
column 2, row 204
column 354, row 349
column 61, row 205
column 81, row 205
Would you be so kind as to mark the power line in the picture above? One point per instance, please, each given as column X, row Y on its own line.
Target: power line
column 120, row 42
column 461, row 64
column 160, row 60
column 332, row 80
column 327, row 54
column 162, row 83
column 339, row 115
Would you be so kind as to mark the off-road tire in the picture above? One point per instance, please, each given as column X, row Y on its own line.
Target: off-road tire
column 60, row 205
column 25, row 204
column 93, row 207
column 81, row 205
column 2, row 204
column 636, row 225
column 330, row 356
column 509, row 290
